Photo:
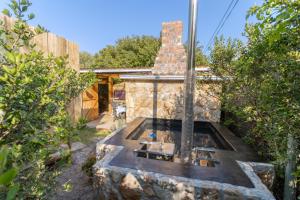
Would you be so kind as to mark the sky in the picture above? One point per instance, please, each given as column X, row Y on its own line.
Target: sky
column 93, row 24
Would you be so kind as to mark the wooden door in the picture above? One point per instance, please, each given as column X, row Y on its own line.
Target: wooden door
column 90, row 105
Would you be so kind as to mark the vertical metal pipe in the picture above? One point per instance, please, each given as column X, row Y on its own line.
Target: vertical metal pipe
column 289, row 182
column 189, row 82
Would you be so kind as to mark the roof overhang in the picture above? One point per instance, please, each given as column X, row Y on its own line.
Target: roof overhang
column 115, row 71
column 171, row 77
column 129, row 70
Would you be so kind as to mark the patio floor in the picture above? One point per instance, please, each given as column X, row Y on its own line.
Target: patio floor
column 104, row 122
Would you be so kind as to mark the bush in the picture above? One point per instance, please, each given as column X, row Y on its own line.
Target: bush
column 264, row 89
column 87, row 167
column 35, row 92
column 81, row 124
column 7, row 174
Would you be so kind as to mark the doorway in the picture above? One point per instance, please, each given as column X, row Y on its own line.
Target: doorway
column 103, row 99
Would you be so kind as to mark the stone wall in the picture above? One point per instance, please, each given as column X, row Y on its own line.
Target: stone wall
column 164, row 99
column 112, row 182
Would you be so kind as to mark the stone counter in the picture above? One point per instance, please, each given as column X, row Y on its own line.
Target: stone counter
column 121, row 183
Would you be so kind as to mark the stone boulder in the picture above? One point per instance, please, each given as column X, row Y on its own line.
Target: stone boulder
column 130, row 188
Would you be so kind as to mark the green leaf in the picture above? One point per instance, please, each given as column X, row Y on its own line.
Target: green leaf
column 6, row 12
column 13, row 190
column 31, row 16
column 24, row 2
column 3, row 157
column 8, row 176
column 4, row 78
column 11, row 57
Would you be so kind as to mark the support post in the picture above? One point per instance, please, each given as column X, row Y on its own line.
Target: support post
column 189, row 82
column 289, row 182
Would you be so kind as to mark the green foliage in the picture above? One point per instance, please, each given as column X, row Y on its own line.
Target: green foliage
column 81, row 124
column 87, row 60
column 87, row 167
column 224, row 55
column 265, row 79
column 35, row 92
column 129, row 52
column 200, row 58
column 117, row 81
column 87, row 135
column 7, row 175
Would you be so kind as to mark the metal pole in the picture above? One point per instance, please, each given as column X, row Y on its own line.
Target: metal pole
column 189, row 82
column 289, row 182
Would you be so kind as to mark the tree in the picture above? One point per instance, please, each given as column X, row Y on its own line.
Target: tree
column 265, row 83
column 200, row 58
column 129, row 52
column 132, row 52
column 35, row 92
column 86, row 60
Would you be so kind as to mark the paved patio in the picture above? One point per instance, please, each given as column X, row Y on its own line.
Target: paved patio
column 104, row 122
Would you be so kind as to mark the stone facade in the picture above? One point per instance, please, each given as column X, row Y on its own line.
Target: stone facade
column 164, row 99
column 158, row 97
column 171, row 58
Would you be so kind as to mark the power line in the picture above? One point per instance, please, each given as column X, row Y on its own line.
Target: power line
column 222, row 22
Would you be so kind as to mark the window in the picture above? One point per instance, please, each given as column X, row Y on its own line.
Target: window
column 119, row 94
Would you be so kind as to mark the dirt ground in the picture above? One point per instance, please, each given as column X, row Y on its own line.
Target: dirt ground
column 77, row 183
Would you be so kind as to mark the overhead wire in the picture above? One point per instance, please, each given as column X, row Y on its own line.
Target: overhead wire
column 221, row 23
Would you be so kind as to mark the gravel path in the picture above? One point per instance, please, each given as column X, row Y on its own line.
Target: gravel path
column 81, row 184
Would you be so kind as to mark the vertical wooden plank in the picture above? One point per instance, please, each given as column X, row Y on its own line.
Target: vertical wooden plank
column 61, row 46
column 53, row 44
column 73, row 58
column 50, row 43
column 110, row 95
column 73, row 53
column 8, row 22
column 41, row 42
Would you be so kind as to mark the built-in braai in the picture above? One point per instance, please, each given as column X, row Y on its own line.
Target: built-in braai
column 153, row 145
column 220, row 162
column 160, row 139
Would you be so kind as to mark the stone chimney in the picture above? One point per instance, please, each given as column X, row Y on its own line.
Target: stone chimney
column 171, row 58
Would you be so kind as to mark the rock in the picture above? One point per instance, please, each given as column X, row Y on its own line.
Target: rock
column 233, row 195
column 265, row 172
column 116, row 176
column 53, row 158
column 64, row 146
column 130, row 188
column 162, row 193
column 209, row 194
column 184, row 192
column 77, row 146
column 113, row 196
column 149, row 191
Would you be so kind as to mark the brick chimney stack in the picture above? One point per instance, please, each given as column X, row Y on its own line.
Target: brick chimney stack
column 171, row 58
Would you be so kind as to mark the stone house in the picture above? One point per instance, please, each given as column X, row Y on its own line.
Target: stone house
column 154, row 92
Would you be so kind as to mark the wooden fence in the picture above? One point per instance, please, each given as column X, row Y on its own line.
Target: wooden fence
column 58, row 46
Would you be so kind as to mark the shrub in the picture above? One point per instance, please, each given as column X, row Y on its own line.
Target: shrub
column 35, row 92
